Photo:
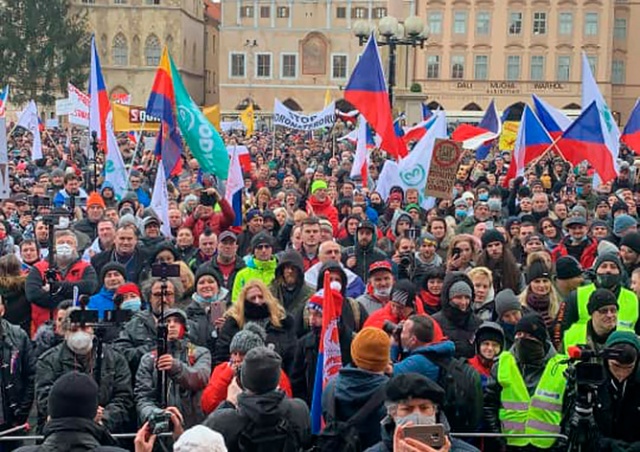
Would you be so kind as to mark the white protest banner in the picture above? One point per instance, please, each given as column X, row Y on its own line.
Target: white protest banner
column 5, row 189
column 80, row 113
column 284, row 117
column 443, row 169
column 64, row 107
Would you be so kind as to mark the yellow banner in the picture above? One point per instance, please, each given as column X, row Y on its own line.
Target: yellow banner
column 213, row 115
column 509, row 134
column 128, row 118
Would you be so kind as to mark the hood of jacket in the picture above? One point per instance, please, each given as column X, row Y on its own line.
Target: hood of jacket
column 12, row 283
column 320, row 205
column 75, row 434
column 448, row 310
column 263, row 408
column 332, row 266
column 293, row 258
column 358, row 385
column 397, row 215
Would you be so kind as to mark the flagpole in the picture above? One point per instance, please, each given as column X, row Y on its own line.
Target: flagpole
column 135, row 150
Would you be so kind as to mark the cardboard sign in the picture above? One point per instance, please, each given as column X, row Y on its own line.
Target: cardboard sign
column 443, row 169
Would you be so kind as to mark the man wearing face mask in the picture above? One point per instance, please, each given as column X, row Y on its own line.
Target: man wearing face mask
column 71, row 272
column 577, row 244
column 78, row 353
column 480, row 215
column 187, row 366
column 525, row 391
column 608, row 271
column 379, row 288
column 413, row 399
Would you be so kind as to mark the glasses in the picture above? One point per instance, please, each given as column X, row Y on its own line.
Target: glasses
column 263, row 247
column 159, row 294
column 608, row 310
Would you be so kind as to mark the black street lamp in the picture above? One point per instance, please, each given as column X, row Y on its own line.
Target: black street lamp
column 412, row 33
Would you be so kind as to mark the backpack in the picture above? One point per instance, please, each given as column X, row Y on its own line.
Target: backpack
column 463, row 396
column 280, row 437
column 343, row 436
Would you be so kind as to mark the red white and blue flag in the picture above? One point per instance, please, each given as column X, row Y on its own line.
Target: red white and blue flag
column 631, row 132
column 367, row 91
column 235, row 184
column 532, row 141
column 551, row 118
column 99, row 106
column 4, row 99
column 418, row 131
column 585, row 140
column 329, row 355
column 472, row 137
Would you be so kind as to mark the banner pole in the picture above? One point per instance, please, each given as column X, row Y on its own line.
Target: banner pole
column 135, row 150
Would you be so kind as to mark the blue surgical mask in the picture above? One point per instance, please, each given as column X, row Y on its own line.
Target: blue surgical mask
column 483, row 197
column 461, row 213
column 134, row 304
column 579, row 191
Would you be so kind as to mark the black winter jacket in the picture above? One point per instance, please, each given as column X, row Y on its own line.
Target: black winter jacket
column 365, row 256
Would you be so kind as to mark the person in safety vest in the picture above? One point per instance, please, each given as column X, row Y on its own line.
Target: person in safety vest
column 603, row 309
column 609, row 275
column 525, row 391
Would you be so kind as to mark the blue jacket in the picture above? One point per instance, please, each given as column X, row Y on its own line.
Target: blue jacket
column 102, row 301
column 354, row 387
column 418, row 363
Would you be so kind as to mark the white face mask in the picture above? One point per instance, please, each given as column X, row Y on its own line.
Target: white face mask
column 336, row 285
column 64, row 250
column 80, row 342
column 417, row 419
column 385, row 292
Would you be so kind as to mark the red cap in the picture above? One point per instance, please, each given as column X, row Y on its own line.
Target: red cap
column 380, row 265
column 128, row 288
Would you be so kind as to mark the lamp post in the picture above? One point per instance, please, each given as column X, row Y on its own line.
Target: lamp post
column 413, row 32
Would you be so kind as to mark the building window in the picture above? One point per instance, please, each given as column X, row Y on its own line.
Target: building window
column 591, row 24
column 434, row 21
column 565, row 24
column 620, row 28
column 481, row 67
column 483, row 23
column 289, row 65
column 120, row 51
column 457, row 67
column 515, row 23
column 246, row 11
column 238, row 65
column 379, row 13
column 152, row 50
column 153, row 2
column 593, row 64
column 341, row 12
column 339, row 66
column 359, row 13
column 537, row 68
column 119, row 2
column 88, row 2
column 433, row 66
column 539, row 23
column 618, row 72
column 563, row 73
column 263, row 65
column 265, row 12
column 283, row 12
column 513, row 67
column 460, row 22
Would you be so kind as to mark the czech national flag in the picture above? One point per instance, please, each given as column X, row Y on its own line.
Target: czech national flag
column 631, row 132
column 4, row 99
column 350, row 116
column 426, row 112
column 99, row 106
column 472, row 137
column 585, row 140
column 367, row 91
column 416, row 132
column 329, row 355
column 551, row 118
column 162, row 104
column 532, row 141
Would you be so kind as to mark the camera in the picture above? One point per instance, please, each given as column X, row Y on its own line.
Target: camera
column 393, row 329
column 406, row 259
column 208, row 199
column 165, row 271
column 160, row 422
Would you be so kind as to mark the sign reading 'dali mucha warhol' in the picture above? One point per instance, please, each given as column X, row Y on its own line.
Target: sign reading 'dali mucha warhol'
column 443, row 169
column 284, row 117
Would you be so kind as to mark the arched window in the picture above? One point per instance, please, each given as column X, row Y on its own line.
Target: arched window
column 120, row 51
column 152, row 50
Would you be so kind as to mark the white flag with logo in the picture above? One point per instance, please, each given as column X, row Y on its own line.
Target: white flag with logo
column 29, row 120
column 160, row 201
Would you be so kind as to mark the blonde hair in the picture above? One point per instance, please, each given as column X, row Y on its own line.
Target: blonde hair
column 276, row 312
column 187, row 274
column 481, row 272
column 554, row 300
column 541, row 256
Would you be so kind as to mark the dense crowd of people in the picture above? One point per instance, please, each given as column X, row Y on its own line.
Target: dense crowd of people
column 460, row 315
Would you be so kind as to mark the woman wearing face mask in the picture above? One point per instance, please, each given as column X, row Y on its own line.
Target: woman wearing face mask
column 256, row 304
column 130, row 297
column 208, row 304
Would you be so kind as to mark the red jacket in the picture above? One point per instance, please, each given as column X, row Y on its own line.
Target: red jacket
column 217, row 222
column 324, row 209
column 378, row 318
column 587, row 258
column 477, row 365
column 221, row 377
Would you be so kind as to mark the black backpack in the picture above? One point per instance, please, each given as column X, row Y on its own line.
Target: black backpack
column 463, row 397
column 343, row 436
column 269, row 438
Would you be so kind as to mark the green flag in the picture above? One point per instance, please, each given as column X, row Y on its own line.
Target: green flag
column 203, row 139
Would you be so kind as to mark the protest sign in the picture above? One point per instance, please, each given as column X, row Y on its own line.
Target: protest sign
column 129, row 117
column 443, row 168
column 284, row 117
column 79, row 114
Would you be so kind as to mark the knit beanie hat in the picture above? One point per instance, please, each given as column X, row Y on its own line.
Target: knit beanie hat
column 112, row 266
column 74, row 394
column 413, row 385
column 260, row 371
column 533, row 324
column 261, row 238
column 251, row 336
column 622, row 223
column 507, row 301
column 491, row 236
column 489, row 331
column 619, row 206
column 631, row 241
column 95, row 199
column 208, row 270
column 370, row 349
column 128, row 288
column 318, row 185
column 608, row 257
column 404, row 293
column 200, row 439
column 537, row 270
column 252, row 214
column 567, row 267
column 600, row 298
column 460, row 288
column 623, row 337
column 606, row 247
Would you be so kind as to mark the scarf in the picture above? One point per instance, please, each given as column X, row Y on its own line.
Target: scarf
column 540, row 304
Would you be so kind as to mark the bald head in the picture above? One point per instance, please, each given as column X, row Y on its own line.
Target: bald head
column 329, row 251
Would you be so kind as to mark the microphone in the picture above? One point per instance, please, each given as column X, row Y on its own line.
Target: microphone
column 574, row 352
